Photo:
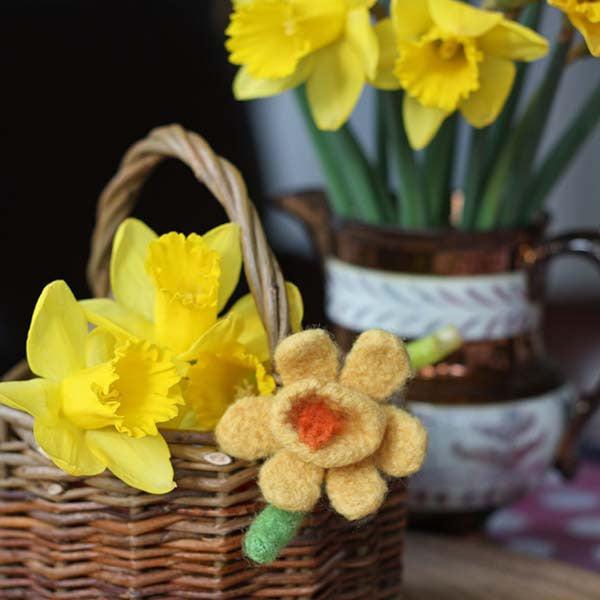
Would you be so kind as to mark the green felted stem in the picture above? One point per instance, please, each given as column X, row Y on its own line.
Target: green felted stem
column 561, row 154
column 272, row 530
column 499, row 205
column 412, row 209
column 437, row 169
column 433, row 348
column 486, row 144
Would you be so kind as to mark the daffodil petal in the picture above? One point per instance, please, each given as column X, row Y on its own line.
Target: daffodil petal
column 513, row 41
column 143, row 463
column 31, row 396
column 362, row 38
column 461, row 19
column 99, row 347
column 421, row 122
column 56, row 339
column 247, row 87
column 226, row 330
column 254, row 337
column 131, row 285
column 589, row 30
column 388, row 54
column 65, row 444
column 225, row 240
column 118, row 320
column 411, row 18
column 335, row 85
column 496, row 77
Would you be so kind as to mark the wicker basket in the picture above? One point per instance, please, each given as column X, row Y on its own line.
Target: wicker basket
column 64, row 537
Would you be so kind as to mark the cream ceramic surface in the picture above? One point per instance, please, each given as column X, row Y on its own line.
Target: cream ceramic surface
column 484, row 456
column 484, row 307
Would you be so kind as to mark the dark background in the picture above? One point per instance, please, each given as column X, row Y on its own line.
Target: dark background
column 81, row 81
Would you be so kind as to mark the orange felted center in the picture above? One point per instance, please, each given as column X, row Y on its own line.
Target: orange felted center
column 315, row 422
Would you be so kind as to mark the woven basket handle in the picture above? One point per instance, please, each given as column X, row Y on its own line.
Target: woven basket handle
column 226, row 184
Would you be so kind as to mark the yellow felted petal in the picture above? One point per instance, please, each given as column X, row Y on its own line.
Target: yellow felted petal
column 131, row 285
column 289, row 483
column 335, row 85
column 99, row 347
column 404, row 446
column 411, row 18
column 246, row 87
column 421, row 122
column 355, row 491
column 378, row 364
column 66, row 445
column 513, row 41
column 31, row 396
column 243, row 430
column 308, row 354
column 496, row 77
column 461, row 19
column 254, row 336
column 590, row 31
column 225, row 241
column 361, row 36
column 57, row 334
column 385, row 79
column 142, row 463
column 117, row 319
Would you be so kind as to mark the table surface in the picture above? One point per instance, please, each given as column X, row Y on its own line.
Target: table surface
column 439, row 568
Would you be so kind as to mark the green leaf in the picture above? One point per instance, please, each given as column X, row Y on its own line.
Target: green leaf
column 499, row 205
column 486, row 144
column 560, row 156
column 354, row 188
column 437, row 169
column 411, row 196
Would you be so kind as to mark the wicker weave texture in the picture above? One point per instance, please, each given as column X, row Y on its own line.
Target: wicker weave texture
column 63, row 537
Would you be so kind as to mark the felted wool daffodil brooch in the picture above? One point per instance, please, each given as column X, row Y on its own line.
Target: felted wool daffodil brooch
column 327, row 426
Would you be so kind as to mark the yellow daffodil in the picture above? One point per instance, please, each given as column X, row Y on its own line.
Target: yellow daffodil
column 281, row 44
column 96, row 405
column 169, row 291
column 451, row 56
column 585, row 16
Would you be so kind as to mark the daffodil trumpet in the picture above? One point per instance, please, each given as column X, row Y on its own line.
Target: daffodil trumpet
column 429, row 60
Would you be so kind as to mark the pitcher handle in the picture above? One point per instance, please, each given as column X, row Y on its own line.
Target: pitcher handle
column 587, row 245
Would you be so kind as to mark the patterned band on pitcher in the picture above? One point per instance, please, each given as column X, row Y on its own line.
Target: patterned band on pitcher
column 483, row 307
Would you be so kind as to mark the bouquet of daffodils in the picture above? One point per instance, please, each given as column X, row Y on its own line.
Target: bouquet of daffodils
column 159, row 355
column 431, row 62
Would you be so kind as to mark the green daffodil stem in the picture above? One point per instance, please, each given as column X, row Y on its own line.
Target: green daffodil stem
column 560, row 155
column 437, row 166
column 412, row 202
column 381, row 138
column 272, row 530
column 338, row 190
column 353, row 185
column 433, row 348
column 486, row 144
column 500, row 201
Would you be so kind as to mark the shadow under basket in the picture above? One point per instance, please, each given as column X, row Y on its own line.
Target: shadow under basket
column 65, row 537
